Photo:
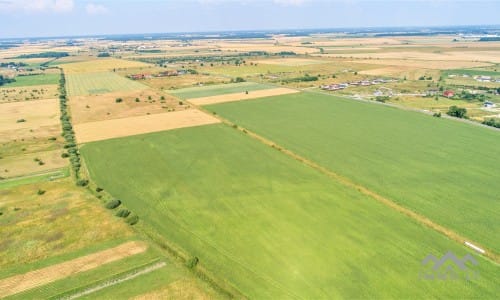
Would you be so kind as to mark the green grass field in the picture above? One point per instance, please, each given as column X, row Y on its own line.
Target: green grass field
column 471, row 72
column 272, row 226
column 219, row 89
column 443, row 169
column 99, row 83
column 30, row 80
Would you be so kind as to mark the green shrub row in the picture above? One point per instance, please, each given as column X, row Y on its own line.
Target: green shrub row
column 68, row 133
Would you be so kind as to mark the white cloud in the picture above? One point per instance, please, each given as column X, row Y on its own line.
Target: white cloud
column 96, row 9
column 35, row 6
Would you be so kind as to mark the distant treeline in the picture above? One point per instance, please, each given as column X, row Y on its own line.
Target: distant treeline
column 206, row 58
column 490, row 39
column 150, row 51
column 7, row 45
column 412, row 33
column 4, row 80
column 51, row 54
column 14, row 64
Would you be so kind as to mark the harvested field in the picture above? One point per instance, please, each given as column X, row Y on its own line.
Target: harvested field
column 99, row 83
column 34, row 113
column 20, row 165
column 16, row 284
column 465, row 56
column 242, row 96
column 184, row 81
column 101, row 65
column 245, row 47
column 28, row 93
column 180, row 289
column 290, row 61
column 387, row 71
column 103, row 130
column 104, row 107
column 426, row 64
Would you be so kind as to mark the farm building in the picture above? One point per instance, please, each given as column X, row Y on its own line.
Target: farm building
column 448, row 93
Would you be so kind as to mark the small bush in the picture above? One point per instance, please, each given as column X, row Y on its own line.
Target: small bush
column 123, row 213
column 137, row 100
column 113, row 204
column 40, row 192
column 98, row 189
column 132, row 220
column 21, row 121
column 118, row 100
column 437, row 115
column 65, row 155
column 192, row 262
column 81, row 182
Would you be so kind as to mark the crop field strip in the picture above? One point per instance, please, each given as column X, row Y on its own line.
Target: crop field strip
column 241, row 96
column 103, row 130
column 80, row 84
column 220, row 89
column 373, row 170
column 295, row 218
column 19, row 283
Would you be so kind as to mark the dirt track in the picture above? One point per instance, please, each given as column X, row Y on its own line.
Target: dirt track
column 103, row 130
column 242, row 96
column 19, row 283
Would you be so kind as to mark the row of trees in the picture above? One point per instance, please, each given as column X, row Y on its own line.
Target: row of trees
column 69, row 134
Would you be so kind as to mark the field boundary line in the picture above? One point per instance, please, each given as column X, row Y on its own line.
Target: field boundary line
column 114, row 281
column 351, row 184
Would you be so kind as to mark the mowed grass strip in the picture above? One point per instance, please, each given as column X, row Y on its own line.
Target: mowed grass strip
column 81, row 84
column 442, row 169
column 219, row 89
column 273, row 227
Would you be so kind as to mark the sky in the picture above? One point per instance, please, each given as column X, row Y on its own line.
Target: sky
column 35, row 18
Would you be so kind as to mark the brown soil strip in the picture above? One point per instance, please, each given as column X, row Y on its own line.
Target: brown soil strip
column 19, row 283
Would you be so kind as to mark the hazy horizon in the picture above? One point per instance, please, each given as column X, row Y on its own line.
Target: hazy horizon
column 48, row 18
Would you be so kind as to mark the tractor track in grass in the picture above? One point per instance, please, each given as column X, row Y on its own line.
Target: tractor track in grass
column 351, row 184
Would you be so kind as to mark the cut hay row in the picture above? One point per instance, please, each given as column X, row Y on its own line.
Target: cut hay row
column 242, row 96
column 103, row 130
column 19, row 283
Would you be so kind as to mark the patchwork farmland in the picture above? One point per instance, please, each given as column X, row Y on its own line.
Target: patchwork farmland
column 228, row 167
